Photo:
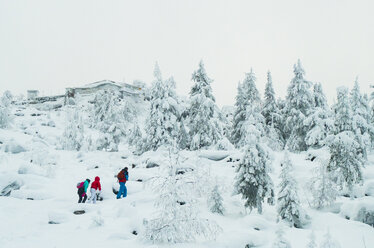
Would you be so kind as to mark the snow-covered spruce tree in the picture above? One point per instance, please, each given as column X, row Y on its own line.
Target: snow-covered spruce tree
column 176, row 222
column 270, row 110
column 239, row 115
column 205, row 125
column 343, row 112
column 254, row 123
column 73, row 135
column 322, row 187
column 5, row 109
column 299, row 103
column 288, row 204
column 127, row 111
column 273, row 117
column 248, row 95
column 319, row 124
column 346, row 159
column 320, row 100
column 252, row 179
column 328, row 242
column 162, row 125
column 183, row 136
column 135, row 135
column 107, row 118
column 312, row 241
column 361, row 117
column 280, row 241
column 215, row 201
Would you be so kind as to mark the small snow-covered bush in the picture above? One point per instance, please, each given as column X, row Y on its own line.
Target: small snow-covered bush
column 312, row 241
column 13, row 147
column 177, row 219
column 288, row 205
column 329, row 242
column 73, row 136
column 225, row 144
column 322, row 187
column 280, row 241
column 215, row 201
column 5, row 109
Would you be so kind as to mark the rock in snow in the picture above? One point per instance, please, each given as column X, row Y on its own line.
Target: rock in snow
column 8, row 189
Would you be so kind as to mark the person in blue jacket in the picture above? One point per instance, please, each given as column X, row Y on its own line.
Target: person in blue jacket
column 122, row 176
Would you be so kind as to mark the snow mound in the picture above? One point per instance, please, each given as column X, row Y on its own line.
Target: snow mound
column 214, row 155
column 13, row 147
column 360, row 210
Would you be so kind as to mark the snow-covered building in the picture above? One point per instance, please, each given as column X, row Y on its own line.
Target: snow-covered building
column 32, row 94
column 124, row 89
column 93, row 88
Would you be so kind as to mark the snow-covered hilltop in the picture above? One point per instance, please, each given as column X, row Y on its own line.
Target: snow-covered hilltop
column 269, row 172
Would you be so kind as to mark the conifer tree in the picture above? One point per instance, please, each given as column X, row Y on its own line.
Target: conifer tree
column 322, row 186
column 248, row 95
column 254, row 123
column 346, row 153
column 343, row 112
column 135, row 135
column 288, row 205
column 215, row 201
column 320, row 100
column 162, row 127
column 252, row 179
column 272, row 116
column 107, row 118
column 5, row 109
column 73, row 135
column 270, row 111
column 239, row 115
column 299, row 103
column 183, row 136
column 205, row 126
column 175, row 222
column 346, row 160
column 361, row 117
column 319, row 124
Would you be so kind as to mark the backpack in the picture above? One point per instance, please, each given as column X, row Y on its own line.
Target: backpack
column 80, row 185
column 121, row 175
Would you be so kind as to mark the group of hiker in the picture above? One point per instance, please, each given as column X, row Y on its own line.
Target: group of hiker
column 95, row 190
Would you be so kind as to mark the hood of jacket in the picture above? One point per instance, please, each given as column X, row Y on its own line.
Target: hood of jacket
column 97, row 179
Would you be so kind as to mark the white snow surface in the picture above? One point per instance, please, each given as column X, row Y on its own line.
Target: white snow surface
column 48, row 177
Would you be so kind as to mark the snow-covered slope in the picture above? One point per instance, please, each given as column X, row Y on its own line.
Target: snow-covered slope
column 38, row 212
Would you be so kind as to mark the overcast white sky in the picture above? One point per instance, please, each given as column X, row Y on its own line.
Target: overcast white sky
column 49, row 45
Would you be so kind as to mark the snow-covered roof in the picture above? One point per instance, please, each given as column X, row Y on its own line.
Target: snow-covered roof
column 102, row 82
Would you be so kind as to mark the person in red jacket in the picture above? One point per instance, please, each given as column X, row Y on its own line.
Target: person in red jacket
column 95, row 188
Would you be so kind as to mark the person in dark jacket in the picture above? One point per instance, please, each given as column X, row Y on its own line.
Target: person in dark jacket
column 95, row 190
column 122, row 176
column 82, row 191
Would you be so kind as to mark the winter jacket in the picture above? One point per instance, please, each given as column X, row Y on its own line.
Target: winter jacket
column 85, row 185
column 125, row 178
column 96, row 184
column 82, row 190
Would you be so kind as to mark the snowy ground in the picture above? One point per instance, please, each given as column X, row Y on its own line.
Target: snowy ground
column 48, row 179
